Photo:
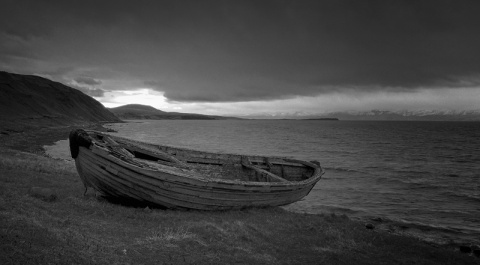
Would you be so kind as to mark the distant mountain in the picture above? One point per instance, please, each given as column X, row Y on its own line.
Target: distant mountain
column 379, row 115
column 143, row 112
column 423, row 115
column 32, row 101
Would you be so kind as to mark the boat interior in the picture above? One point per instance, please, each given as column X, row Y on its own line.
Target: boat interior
column 204, row 164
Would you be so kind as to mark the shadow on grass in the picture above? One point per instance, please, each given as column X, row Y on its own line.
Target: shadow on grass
column 131, row 203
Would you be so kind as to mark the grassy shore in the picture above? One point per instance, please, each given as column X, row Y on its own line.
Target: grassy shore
column 70, row 228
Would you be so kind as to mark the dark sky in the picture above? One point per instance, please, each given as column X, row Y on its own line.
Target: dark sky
column 231, row 51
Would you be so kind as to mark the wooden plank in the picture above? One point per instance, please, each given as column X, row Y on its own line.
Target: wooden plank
column 116, row 147
column 176, row 175
column 204, row 202
column 153, row 152
column 272, row 176
column 205, row 194
column 212, row 157
column 157, row 154
column 129, row 190
column 254, row 186
column 109, row 140
column 268, row 163
column 202, row 160
column 180, row 187
column 119, row 190
column 177, row 151
column 131, row 193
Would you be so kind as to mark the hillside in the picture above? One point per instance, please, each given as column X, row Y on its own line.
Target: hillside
column 143, row 112
column 31, row 101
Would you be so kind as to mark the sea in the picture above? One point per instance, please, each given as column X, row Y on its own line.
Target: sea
column 408, row 177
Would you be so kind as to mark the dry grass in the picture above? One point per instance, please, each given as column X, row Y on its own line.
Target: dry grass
column 77, row 229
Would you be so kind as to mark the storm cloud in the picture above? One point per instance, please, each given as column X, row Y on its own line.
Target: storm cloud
column 93, row 92
column 88, row 81
column 229, row 51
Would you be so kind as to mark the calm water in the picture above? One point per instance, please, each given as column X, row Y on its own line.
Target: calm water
column 424, row 175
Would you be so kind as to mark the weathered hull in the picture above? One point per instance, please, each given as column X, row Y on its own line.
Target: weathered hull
column 174, row 187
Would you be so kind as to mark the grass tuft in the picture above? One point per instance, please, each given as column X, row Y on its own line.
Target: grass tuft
column 77, row 229
column 167, row 235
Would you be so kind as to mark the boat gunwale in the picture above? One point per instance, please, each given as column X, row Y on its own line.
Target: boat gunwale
column 315, row 177
column 201, row 181
column 146, row 188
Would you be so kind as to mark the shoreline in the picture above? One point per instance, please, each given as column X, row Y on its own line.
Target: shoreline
column 432, row 230
column 34, row 142
column 424, row 233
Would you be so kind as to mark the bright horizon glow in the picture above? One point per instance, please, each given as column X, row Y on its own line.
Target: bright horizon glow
column 422, row 99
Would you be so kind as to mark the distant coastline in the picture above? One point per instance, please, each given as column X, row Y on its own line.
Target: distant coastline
column 309, row 119
column 323, row 119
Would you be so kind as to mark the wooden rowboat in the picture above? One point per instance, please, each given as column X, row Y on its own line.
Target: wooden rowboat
column 172, row 177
